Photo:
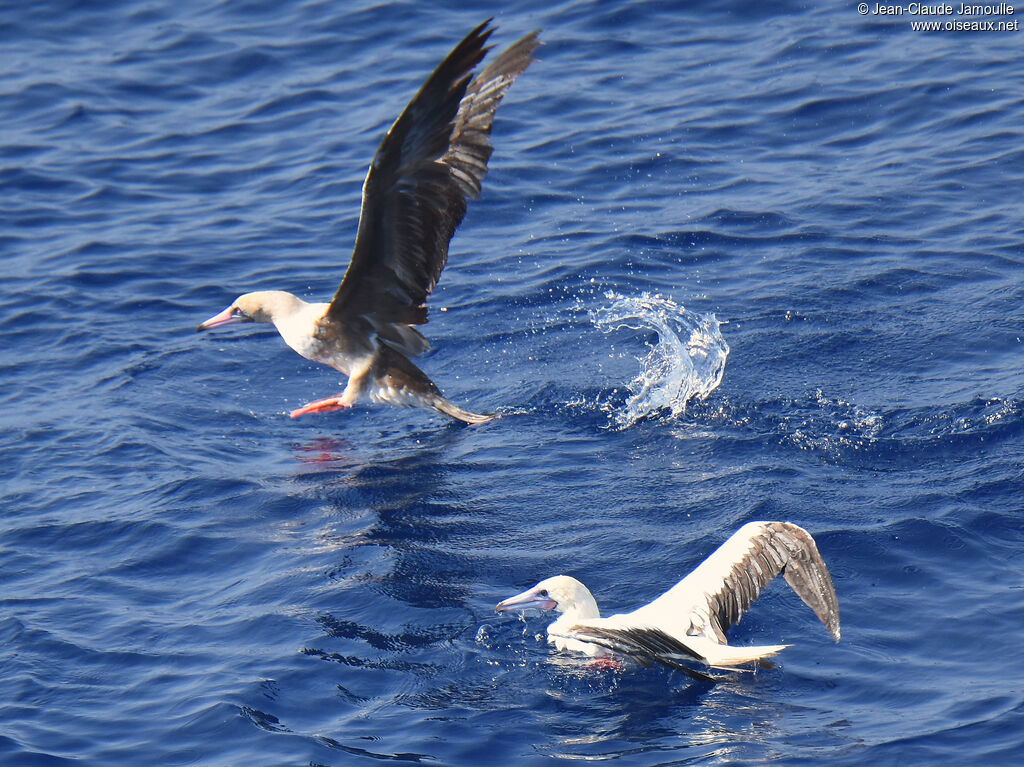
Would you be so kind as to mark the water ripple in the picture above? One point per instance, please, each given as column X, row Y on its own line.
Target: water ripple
column 191, row 577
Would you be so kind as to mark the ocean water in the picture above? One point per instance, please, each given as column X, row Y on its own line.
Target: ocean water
column 189, row 577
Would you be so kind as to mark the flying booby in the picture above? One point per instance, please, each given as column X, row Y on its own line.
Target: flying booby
column 432, row 159
column 687, row 623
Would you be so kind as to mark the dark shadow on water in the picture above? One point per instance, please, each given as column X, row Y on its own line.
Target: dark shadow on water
column 355, row 751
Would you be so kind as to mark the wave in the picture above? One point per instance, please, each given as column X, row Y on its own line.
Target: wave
column 686, row 362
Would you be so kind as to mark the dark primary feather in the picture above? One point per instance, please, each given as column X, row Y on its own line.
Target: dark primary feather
column 643, row 645
column 781, row 548
column 470, row 146
column 414, row 196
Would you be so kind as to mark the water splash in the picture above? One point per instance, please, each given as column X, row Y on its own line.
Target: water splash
column 832, row 425
column 686, row 362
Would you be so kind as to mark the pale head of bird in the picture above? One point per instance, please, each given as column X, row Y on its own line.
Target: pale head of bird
column 261, row 306
column 561, row 593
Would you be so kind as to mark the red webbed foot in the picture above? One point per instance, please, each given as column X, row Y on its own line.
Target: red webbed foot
column 328, row 405
column 606, row 663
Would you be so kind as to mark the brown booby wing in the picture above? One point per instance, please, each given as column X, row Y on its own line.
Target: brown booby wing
column 414, row 196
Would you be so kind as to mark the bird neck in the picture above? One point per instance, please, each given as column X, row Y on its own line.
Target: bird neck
column 296, row 321
column 584, row 608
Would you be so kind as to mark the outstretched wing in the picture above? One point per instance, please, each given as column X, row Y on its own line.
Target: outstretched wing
column 414, row 197
column 717, row 593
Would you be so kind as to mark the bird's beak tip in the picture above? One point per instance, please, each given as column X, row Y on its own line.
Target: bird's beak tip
column 226, row 317
column 528, row 600
column 506, row 605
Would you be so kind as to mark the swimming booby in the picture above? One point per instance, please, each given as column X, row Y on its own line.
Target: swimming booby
column 688, row 622
column 414, row 197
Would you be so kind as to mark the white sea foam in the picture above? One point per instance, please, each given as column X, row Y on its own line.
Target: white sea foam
column 831, row 425
column 686, row 362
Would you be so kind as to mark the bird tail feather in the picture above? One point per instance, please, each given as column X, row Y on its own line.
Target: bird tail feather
column 449, row 408
column 726, row 656
column 398, row 381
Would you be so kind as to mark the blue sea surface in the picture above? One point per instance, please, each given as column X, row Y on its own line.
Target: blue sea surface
column 190, row 577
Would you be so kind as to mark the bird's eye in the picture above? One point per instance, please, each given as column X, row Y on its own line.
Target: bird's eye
column 543, row 593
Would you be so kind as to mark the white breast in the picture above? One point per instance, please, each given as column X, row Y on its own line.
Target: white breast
column 297, row 330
